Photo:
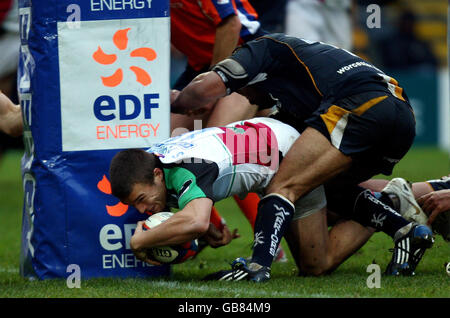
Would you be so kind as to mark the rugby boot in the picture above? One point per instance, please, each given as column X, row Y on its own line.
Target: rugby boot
column 411, row 242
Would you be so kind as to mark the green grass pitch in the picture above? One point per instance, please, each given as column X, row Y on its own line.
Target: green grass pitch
column 348, row 281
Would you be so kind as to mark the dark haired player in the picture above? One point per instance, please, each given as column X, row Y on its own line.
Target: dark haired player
column 196, row 169
column 355, row 122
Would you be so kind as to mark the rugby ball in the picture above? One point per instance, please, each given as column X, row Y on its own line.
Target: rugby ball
column 169, row 254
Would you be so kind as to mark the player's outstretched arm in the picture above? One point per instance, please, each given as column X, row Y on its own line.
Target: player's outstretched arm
column 10, row 117
column 199, row 95
column 227, row 37
column 186, row 225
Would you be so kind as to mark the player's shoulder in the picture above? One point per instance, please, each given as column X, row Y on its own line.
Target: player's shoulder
column 175, row 148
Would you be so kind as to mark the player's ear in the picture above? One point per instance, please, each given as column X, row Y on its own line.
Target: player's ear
column 158, row 174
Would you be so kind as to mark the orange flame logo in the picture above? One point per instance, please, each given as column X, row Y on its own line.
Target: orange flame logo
column 120, row 40
column 115, row 210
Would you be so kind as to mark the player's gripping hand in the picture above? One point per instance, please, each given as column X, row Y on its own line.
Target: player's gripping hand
column 182, row 110
column 217, row 238
column 434, row 203
column 141, row 254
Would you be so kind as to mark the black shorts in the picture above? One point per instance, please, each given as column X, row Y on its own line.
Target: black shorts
column 375, row 128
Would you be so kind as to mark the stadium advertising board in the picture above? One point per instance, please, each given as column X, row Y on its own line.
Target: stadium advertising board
column 93, row 79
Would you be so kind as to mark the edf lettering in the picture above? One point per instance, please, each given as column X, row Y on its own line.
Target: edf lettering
column 129, row 107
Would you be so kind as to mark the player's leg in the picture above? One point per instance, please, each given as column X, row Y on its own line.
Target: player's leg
column 314, row 161
column 362, row 132
column 276, row 209
column 374, row 184
column 370, row 210
column 311, row 161
column 421, row 188
column 317, row 250
column 418, row 188
column 249, row 206
column 402, row 195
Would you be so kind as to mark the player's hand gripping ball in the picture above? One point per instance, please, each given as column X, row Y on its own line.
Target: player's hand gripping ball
column 169, row 254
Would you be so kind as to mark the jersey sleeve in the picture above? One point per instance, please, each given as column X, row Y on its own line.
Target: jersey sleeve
column 191, row 180
column 217, row 10
column 248, row 64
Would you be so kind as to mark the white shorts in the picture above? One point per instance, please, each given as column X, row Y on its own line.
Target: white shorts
column 310, row 203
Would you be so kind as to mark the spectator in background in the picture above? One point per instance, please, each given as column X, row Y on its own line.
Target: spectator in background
column 271, row 14
column 328, row 21
column 403, row 49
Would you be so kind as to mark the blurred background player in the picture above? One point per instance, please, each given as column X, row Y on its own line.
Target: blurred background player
column 328, row 21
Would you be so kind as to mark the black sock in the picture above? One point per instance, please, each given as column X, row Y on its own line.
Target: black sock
column 369, row 211
column 389, row 199
column 274, row 215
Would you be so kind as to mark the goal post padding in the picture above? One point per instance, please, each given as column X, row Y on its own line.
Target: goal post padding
column 93, row 79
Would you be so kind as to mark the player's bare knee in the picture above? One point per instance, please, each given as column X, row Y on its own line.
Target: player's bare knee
column 313, row 270
column 287, row 192
column 316, row 266
column 312, row 267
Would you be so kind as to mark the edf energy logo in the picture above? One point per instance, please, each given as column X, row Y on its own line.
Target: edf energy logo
column 120, row 40
column 114, row 83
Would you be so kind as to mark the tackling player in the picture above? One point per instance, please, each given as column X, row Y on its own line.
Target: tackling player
column 194, row 170
column 355, row 120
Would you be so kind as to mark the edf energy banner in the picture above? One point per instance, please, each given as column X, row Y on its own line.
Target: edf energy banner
column 93, row 79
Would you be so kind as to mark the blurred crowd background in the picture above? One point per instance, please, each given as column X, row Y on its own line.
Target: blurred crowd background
column 408, row 40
